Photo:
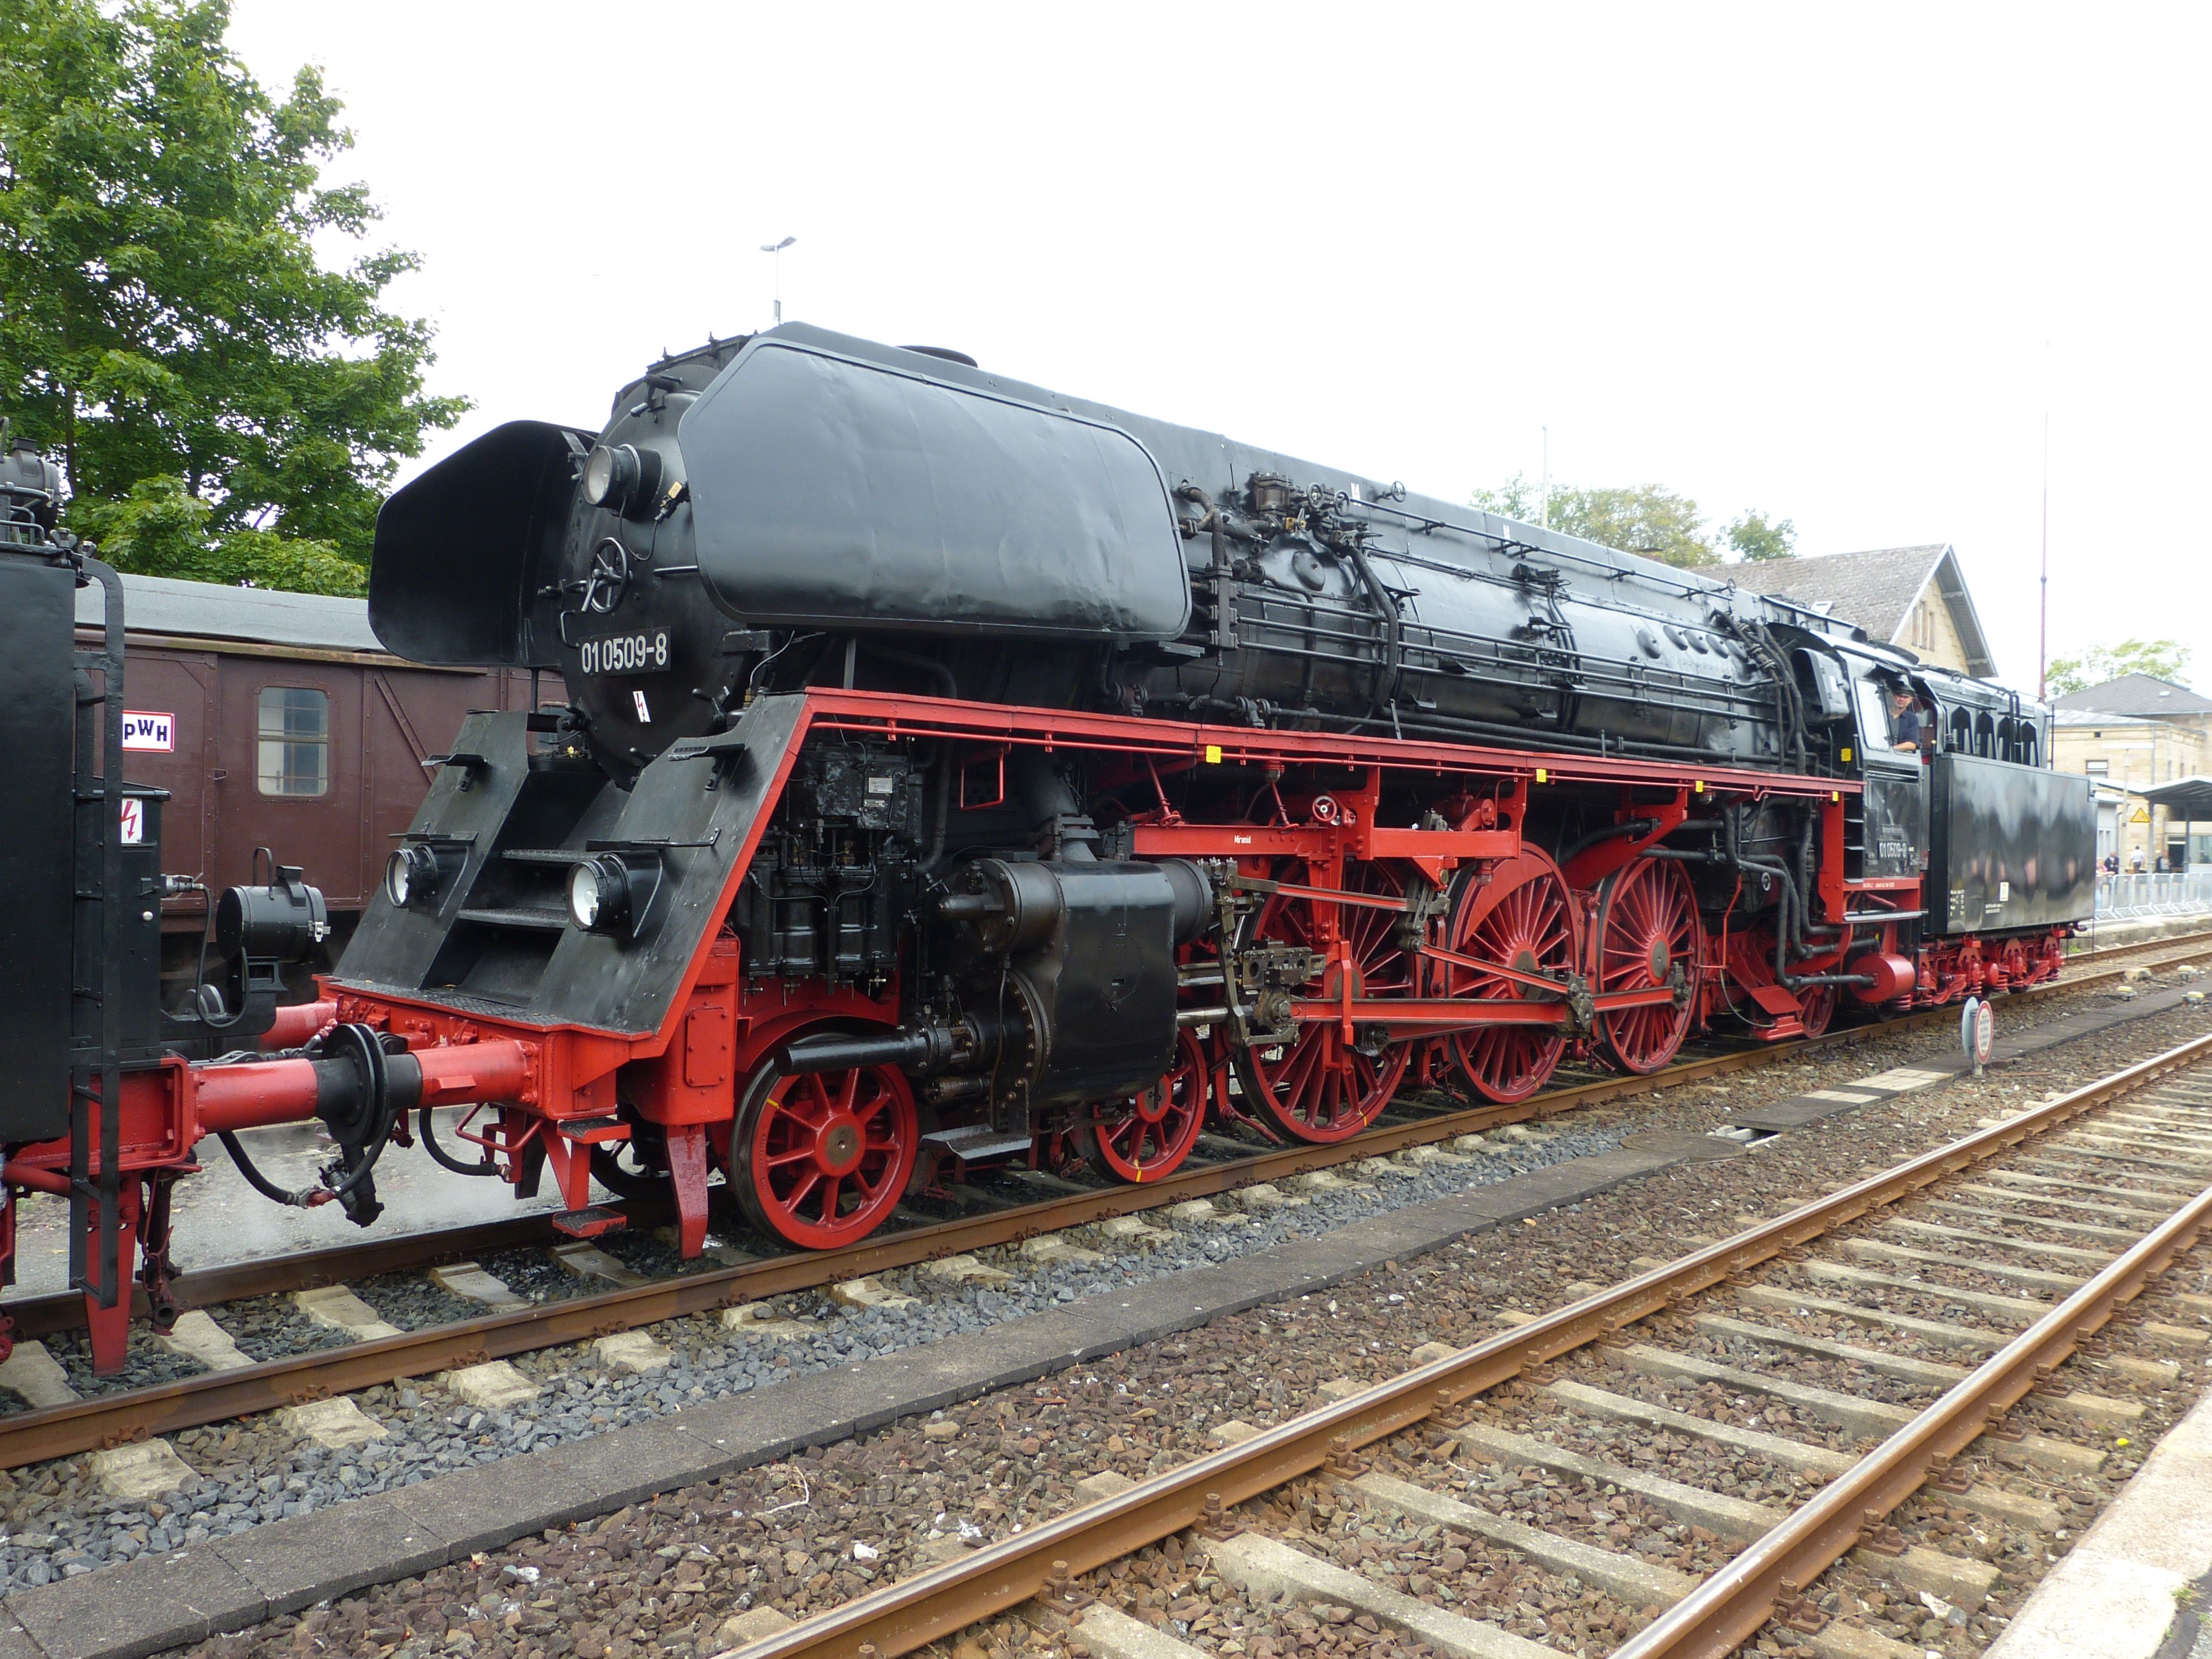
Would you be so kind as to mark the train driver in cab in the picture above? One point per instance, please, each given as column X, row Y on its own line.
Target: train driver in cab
column 1904, row 722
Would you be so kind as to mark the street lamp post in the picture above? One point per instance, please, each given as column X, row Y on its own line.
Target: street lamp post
column 775, row 249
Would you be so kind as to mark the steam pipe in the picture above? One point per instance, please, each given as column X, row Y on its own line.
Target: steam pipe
column 1048, row 802
column 924, row 1046
column 1603, row 833
column 936, row 671
column 1391, row 667
column 940, row 807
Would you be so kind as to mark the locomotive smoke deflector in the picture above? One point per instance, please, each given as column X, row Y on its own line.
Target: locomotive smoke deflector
column 464, row 552
column 831, row 491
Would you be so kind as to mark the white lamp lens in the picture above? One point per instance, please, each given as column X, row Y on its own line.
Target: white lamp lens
column 584, row 895
column 599, row 475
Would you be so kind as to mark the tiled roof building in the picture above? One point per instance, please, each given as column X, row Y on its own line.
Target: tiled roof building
column 1914, row 596
column 2137, row 694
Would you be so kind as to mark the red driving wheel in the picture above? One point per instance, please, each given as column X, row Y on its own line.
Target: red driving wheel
column 1315, row 1087
column 820, row 1158
column 1649, row 935
column 1146, row 1138
column 1523, row 919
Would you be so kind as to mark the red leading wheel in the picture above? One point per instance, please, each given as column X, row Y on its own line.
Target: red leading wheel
column 1816, row 1007
column 1148, row 1139
column 1649, row 935
column 1523, row 919
column 820, row 1159
column 1748, row 974
column 1315, row 1087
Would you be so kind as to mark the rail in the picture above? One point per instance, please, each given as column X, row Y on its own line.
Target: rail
column 1716, row 1618
column 108, row 1419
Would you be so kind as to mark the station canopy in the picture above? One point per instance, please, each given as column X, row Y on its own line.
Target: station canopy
column 2184, row 798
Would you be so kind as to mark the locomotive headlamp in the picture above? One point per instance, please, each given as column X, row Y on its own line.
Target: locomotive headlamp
column 613, row 894
column 414, row 872
column 594, row 890
column 620, row 479
column 283, row 921
column 407, row 871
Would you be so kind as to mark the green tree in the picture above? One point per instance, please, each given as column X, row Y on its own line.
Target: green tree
column 1516, row 499
column 2162, row 660
column 1756, row 540
column 224, row 404
column 1647, row 518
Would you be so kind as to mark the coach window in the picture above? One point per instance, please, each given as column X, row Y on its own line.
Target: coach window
column 296, row 741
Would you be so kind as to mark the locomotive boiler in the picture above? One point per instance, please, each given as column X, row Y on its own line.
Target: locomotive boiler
column 949, row 770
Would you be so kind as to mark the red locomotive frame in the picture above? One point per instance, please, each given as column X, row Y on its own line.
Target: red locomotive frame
column 1479, row 994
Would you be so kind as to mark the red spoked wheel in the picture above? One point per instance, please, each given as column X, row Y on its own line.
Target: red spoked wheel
column 1316, row 1086
column 1816, row 1007
column 1523, row 919
column 820, row 1158
column 1748, row 975
column 1649, row 934
column 1146, row 1138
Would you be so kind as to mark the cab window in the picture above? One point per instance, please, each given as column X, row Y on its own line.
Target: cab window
column 294, row 732
column 1873, row 713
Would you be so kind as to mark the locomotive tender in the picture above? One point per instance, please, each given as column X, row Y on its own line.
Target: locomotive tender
column 953, row 770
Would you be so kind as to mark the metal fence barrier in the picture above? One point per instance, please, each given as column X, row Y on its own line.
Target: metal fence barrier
column 2125, row 897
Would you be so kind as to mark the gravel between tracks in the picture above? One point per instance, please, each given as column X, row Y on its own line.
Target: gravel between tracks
column 660, row 1578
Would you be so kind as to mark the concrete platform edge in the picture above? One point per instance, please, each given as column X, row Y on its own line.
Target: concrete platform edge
column 2116, row 1594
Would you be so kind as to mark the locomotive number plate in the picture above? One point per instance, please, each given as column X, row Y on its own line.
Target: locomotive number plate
column 625, row 654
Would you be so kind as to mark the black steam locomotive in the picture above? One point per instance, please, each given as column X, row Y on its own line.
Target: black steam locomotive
column 1054, row 777
column 953, row 771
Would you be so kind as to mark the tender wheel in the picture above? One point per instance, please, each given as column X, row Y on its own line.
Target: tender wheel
column 1148, row 1138
column 820, row 1159
column 1648, row 934
column 1316, row 1086
column 1524, row 919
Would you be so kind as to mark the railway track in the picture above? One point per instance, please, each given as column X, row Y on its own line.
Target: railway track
column 389, row 1355
column 1843, row 1427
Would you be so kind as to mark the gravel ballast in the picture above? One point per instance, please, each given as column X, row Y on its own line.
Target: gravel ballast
column 1256, row 1366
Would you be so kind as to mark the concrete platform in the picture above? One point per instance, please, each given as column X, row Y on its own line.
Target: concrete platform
column 2117, row 1594
column 1801, row 1110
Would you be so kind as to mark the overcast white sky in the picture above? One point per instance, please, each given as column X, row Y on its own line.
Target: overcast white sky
column 1802, row 259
